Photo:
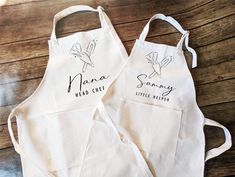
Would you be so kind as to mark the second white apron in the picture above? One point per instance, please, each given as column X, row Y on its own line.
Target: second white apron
column 153, row 102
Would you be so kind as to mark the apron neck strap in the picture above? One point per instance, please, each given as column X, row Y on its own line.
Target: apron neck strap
column 184, row 39
column 74, row 9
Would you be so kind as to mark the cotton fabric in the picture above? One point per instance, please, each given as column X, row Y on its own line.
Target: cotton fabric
column 60, row 127
column 153, row 103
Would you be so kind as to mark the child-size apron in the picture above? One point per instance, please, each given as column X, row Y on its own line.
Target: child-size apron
column 56, row 122
column 156, row 104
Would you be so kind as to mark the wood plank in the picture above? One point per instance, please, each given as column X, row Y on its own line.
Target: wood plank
column 5, row 140
column 216, row 53
column 23, row 50
column 14, row 2
column 23, row 70
column 204, row 35
column 14, row 93
column 35, row 25
column 10, row 165
column 35, row 68
column 212, row 29
column 38, row 47
column 214, row 93
column 107, row 3
column 29, row 49
column 188, row 20
column 214, row 73
column 115, row 3
column 223, row 113
column 4, row 112
column 221, row 166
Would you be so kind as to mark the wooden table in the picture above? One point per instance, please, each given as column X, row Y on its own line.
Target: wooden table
column 25, row 27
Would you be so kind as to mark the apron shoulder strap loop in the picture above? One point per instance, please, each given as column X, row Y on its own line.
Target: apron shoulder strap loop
column 14, row 141
column 71, row 10
column 173, row 22
column 224, row 147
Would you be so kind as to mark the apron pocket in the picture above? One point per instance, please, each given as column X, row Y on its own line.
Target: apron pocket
column 153, row 128
column 57, row 141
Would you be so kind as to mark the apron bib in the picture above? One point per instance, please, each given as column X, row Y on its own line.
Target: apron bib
column 56, row 122
column 158, row 109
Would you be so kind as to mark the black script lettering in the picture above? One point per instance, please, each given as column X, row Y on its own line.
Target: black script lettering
column 81, row 81
column 139, row 78
column 142, row 81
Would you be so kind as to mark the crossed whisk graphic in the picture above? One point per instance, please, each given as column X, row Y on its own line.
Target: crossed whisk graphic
column 157, row 65
column 84, row 55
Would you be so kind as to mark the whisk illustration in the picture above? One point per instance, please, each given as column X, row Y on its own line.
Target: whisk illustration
column 157, row 65
column 84, row 55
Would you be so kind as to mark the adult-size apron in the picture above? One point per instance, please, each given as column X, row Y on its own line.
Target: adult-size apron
column 153, row 102
column 54, row 124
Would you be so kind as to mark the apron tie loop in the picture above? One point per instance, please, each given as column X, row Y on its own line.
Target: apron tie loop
column 224, row 147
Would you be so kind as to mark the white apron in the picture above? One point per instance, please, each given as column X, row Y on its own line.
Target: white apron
column 56, row 123
column 156, row 104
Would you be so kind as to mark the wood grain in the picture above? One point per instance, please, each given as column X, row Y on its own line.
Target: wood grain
column 16, row 71
column 4, row 112
column 43, row 18
column 130, row 31
column 223, row 113
column 5, row 140
column 15, row 2
column 220, row 92
column 12, row 93
column 25, row 27
column 214, row 73
column 222, row 166
column 35, row 67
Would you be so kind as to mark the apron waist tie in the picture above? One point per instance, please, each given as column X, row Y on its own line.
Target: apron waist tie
column 224, row 147
column 19, row 149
